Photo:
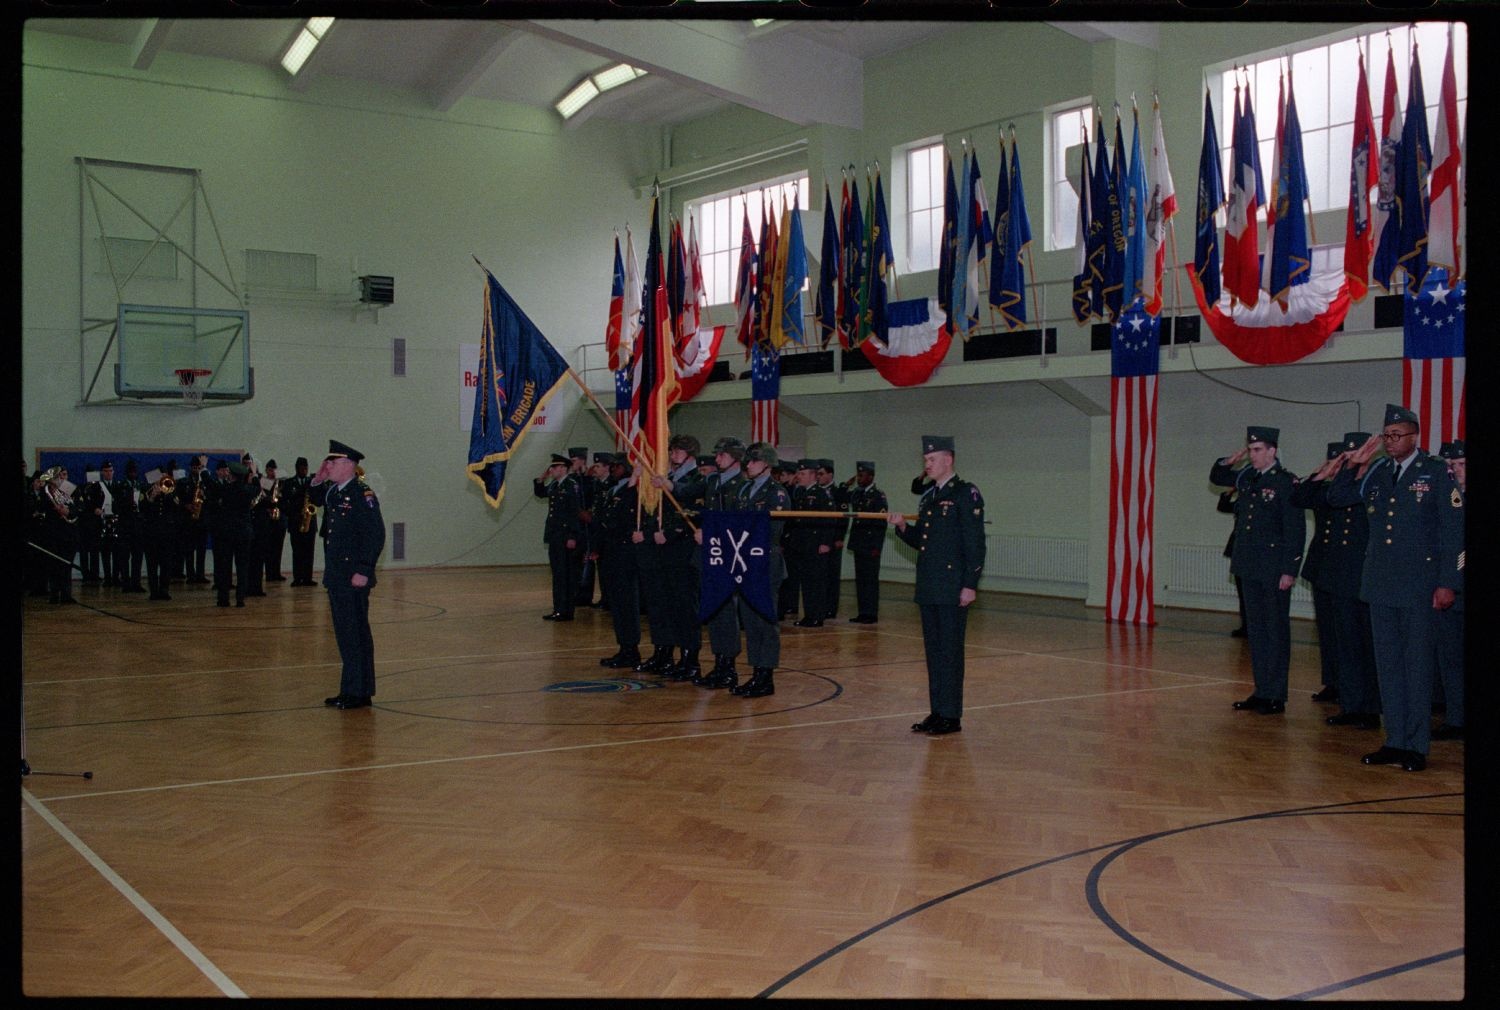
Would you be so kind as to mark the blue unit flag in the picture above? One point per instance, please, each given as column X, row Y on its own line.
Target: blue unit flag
column 736, row 559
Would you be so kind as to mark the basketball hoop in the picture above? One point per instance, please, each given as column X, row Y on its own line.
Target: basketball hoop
column 187, row 378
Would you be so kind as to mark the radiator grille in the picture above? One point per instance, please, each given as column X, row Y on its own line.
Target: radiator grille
column 291, row 271
column 1042, row 562
column 1204, row 571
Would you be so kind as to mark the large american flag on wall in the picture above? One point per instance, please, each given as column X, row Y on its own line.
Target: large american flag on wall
column 1134, row 358
column 1433, row 370
column 765, row 395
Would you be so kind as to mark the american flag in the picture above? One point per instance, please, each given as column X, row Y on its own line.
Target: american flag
column 765, row 395
column 1134, row 359
column 623, row 395
column 1433, row 370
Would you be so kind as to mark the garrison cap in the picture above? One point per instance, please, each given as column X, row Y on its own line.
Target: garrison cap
column 825, row 464
column 301, row 461
column 559, row 460
column 579, row 452
column 603, row 457
column 338, row 450
column 1334, row 449
column 785, row 466
column 1452, row 450
column 865, row 465
column 731, row 445
column 1261, row 433
column 687, row 443
column 807, row 464
column 1355, row 439
column 1397, row 414
column 761, row 452
column 937, row 443
column 618, row 459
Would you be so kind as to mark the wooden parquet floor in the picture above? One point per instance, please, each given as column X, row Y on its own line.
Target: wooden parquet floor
column 1104, row 826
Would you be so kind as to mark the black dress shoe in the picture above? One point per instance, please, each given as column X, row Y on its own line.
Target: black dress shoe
column 333, row 702
column 1329, row 693
column 1384, row 756
column 241, row 603
column 926, row 724
column 1362, row 720
column 1272, row 708
column 807, row 623
column 352, row 701
column 943, row 726
column 1413, row 762
column 222, row 601
column 562, row 617
column 551, row 616
column 1238, row 633
column 659, row 661
column 1254, row 703
column 1446, row 732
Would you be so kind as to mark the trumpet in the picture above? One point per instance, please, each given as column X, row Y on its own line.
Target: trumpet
column 166, row 485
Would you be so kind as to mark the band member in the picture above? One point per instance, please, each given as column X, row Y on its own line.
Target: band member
column 59, row 534
column 270, row 518
column 229, row 525
column 255, row 566
column 353, row 537
column 90, row 527
column 109, row 524
column 302, row 522
column 131, row 492
column 119, row 520
column 159, row 530
column 34, row 507
column 193, row 532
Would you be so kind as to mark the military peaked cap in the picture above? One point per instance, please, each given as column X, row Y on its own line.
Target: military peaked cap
column 338, row 450
column 865, row 465
column 1355, row 439
column 1335, row 449
column 559, row 460
column 1261, row 433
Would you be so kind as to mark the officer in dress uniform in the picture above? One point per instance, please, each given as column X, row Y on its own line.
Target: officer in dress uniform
column 294, row 503
column 1306, row 494
column 838, row 529
column 1413, row 570
column 109, row 524
column 785, row 474
column 119, row 517
column 159, row 536
column 353, row 537
column 811, row 543
column 866, row 542
column 1450, row 633
column 617, row 564
column 1339, row 543
column 949, row 539
column 562, row 533
column 759, row 492
column 1269, row 535
column 580, row 471
column 59, row 534
column 722, row 494
column 600, row 484
column 676, row 557
column 256, row 546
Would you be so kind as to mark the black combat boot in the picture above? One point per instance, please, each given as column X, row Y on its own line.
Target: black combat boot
column 659, row 661
column 627, row 657
column 760, row 685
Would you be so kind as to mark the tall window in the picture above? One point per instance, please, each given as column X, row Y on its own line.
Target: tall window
column 1325, row 77
column 720, row 219
column 1065, row 128
column 924, row 206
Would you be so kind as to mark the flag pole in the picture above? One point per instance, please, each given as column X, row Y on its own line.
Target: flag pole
column 643, row 453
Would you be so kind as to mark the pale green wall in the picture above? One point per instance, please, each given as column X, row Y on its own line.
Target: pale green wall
column 347, row 173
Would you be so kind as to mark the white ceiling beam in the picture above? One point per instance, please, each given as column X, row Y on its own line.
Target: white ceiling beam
column 783, row 75
column 149, row 41
column 460, row 73
column 1138, row 33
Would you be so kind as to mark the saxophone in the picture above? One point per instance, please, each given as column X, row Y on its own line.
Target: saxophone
column 275, row 510
column 195, row 507
column 305, row 519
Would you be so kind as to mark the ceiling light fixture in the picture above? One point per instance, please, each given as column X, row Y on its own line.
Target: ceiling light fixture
column 303, row 45
column 591, row 87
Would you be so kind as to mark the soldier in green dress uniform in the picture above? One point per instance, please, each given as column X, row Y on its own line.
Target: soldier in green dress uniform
column 949, row 539
column 562, row 533
column 721, row 493
column 759, row 492
column 1269, row 535
column 1450, row 659
column 866, row 542
column 353, row 537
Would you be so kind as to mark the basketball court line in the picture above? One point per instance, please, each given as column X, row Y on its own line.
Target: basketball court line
column 171, row 932
column 601, row 744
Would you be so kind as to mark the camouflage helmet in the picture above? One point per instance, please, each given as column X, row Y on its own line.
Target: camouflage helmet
column 731, row 445
column 761, row 452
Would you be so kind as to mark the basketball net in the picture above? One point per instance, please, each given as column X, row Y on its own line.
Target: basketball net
column 192, row 393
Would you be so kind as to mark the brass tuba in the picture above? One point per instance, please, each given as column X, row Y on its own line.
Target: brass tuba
column 55, row 496
column 166, row 484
